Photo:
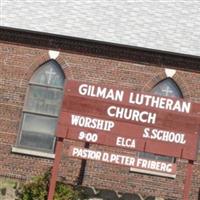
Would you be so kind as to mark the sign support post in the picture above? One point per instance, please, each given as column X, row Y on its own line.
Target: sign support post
column 54, row 172
column 188, row 180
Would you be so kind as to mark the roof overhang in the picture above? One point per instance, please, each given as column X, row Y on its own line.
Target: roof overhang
column 101, row 49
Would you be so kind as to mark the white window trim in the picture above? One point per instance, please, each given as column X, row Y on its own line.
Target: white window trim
column 149, row 172
column 32, row 152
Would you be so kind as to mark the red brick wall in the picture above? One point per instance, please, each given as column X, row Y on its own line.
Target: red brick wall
column 16, row 67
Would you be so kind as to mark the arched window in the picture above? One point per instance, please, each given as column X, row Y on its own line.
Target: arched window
column 41, row 108
column 166, row 87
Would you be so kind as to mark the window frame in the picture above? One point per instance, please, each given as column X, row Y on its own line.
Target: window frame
column 157, row 156
column 27, row 147
column 41, row 152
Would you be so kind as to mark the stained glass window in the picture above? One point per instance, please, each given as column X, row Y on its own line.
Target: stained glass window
column 41, row 108
column 49, row 75
column 166, row 87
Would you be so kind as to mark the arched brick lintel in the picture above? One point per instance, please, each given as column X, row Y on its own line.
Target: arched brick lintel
column 40, row 60
column 161, row 76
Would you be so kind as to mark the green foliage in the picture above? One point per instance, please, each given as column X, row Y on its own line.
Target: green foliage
column 37, row 189
column 3, row 191
column 66, row 193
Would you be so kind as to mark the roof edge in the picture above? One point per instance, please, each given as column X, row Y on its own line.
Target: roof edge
column 102, row 49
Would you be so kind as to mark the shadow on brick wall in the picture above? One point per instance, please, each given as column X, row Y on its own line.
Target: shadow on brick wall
column 105, row 194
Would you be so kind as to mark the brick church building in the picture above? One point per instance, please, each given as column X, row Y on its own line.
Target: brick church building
column 34, row 67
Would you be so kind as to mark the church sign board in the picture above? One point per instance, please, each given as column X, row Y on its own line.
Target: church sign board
column 122, row 118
